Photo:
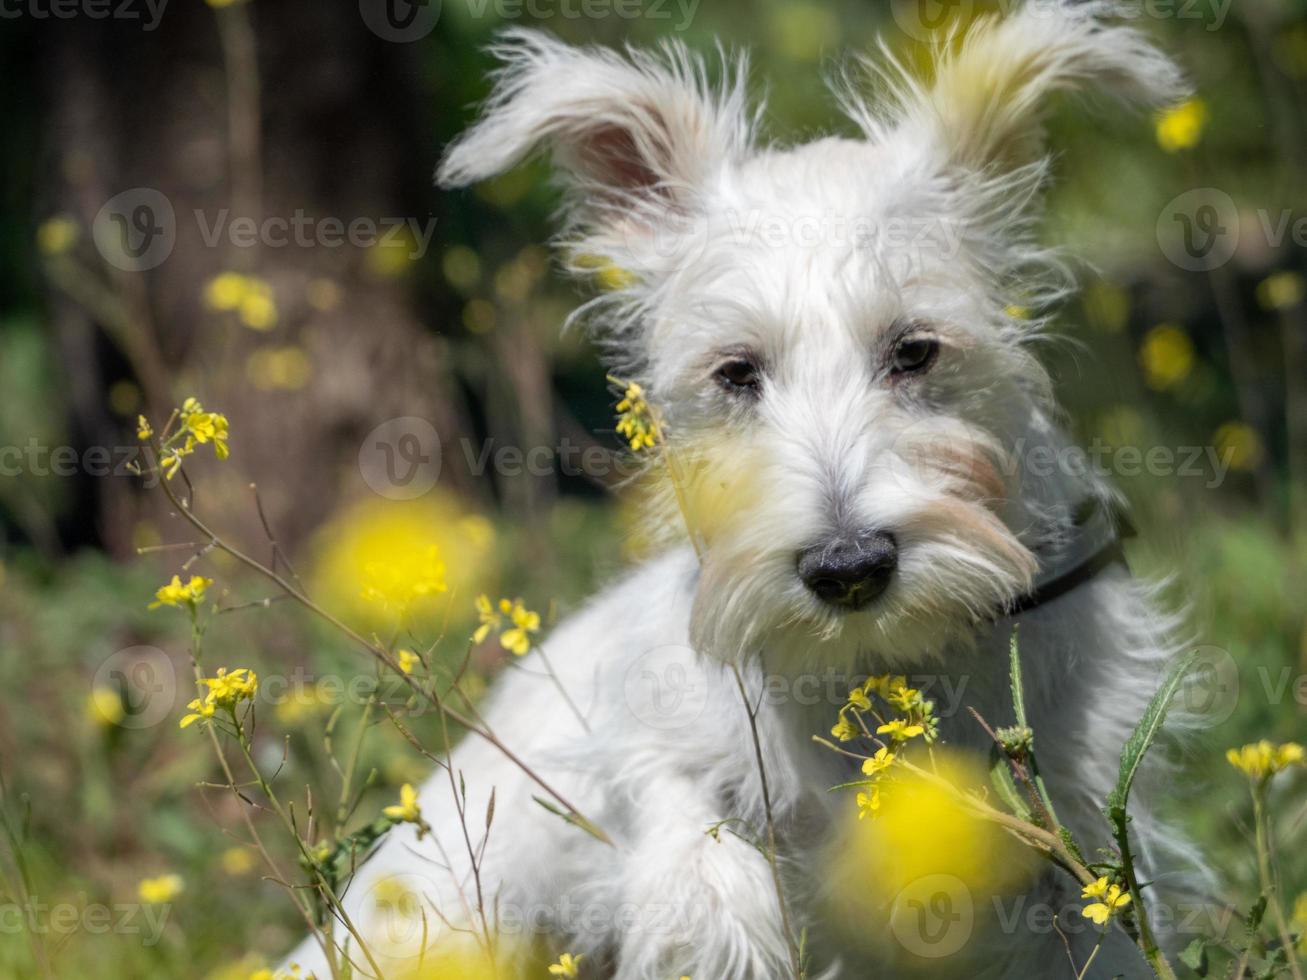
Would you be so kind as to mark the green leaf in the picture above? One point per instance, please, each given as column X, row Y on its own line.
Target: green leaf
column 1194, row 956
column 1145, row 733
column 1000, row 775
column 1018, row 689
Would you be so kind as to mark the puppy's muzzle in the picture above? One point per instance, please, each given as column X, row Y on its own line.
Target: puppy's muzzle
column 850, row 574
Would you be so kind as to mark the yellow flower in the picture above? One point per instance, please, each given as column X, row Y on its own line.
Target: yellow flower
column 56, row 235
column 1281, row 291
column 1111, row 899
column 249, row 297
column 104, row 706
column 237, row 860
column 203, row 427
column 1239, row 444
column 878, row 763
column 525, row 622
column 844, row 730
column 488, row 616
column 226, row 690
column 401, row 583
column 407, row 810
column 567, row 966
column 900, row 730
column 858, row 699
column 1167, row 357
column 407, row 660
column 199, row 709
column 160, row 890
column 1181, row 128
column 175, row 593
column 1262, row 760
column 869, row 803
column 143, row 430
column 635, row 418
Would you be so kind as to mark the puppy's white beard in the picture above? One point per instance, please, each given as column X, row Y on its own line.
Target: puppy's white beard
column 959, row 566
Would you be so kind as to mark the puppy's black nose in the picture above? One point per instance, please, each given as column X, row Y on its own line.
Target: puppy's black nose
column 851, row 574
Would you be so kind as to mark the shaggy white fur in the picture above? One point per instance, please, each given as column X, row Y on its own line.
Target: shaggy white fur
column 770, row 299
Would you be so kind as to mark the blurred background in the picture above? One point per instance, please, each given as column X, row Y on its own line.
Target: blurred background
column 234, row 201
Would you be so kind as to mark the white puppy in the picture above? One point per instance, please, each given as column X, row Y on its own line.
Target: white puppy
column 827, row 332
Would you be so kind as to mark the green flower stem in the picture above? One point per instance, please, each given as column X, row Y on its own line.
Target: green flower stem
column 1266, row 876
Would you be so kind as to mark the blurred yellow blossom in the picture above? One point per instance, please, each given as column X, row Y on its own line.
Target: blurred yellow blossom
column 567, row 966
column 354, row 546
column 249, row 297
column 1167, row 357
column 1262, row 760
column 1181, row 128
column 1281, row 291
column 923, row 832
column 398, row 583
column 56, row 235
column 407, row 809
column 278, row 368
column 104, row 706
column 407, row 660
column 462, row 267
column 1238, row 444
column 237, row 861
column 160, row 890
column 323, row 294
column 607, row 274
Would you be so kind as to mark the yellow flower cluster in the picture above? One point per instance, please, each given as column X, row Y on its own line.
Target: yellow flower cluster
column 1111, row 900
column 918, row 721
column 1262, row 760
column 636, row 422
column 225, row 691
column 179, row 593
column 196, row 428
column 399, row 583
column 516, row 638
column 249, row 297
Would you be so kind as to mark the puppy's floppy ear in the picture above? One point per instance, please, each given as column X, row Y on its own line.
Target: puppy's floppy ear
column 639, row 129
column 985, row 105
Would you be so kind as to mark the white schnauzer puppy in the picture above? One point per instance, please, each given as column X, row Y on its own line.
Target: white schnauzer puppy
column 827, row 332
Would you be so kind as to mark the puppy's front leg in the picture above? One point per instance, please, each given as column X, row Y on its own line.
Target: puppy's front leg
column 697, row 904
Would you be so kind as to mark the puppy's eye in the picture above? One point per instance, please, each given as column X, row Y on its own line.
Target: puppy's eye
column 914, row 355
column 739, row 375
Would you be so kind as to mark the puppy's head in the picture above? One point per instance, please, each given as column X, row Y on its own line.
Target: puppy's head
column 825, row 328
